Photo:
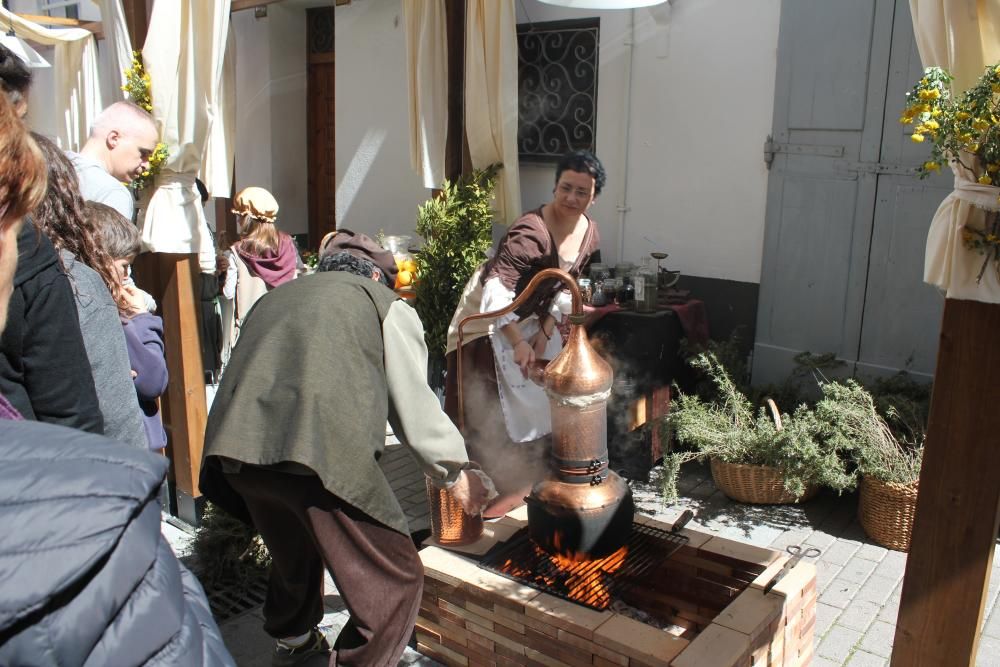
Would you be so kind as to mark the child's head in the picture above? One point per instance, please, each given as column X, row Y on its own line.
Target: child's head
column 116, row 235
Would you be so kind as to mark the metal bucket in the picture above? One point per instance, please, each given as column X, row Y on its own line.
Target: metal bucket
column 450, row 525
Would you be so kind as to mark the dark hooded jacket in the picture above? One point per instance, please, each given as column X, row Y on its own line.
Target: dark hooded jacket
column 86, row 577
column 44, row 370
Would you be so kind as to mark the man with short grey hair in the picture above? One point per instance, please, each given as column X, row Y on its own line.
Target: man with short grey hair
column 122, row 139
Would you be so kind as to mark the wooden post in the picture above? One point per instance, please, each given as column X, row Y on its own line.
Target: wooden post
column 958, row 506
column 173, row 281
column 137, row 20
column 456, row 149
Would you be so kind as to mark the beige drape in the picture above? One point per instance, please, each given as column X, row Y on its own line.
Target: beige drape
column 78, row 86
column 116, row 40
column 184, row 55
column 491, row 97
column 962, row 36
column 427, row 76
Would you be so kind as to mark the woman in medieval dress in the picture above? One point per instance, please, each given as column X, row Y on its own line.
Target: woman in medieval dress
column 507, row 419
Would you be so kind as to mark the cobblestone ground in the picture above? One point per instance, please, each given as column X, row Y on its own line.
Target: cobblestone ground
column 859, row 581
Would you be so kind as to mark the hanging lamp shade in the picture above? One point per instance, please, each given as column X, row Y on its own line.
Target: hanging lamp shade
column 602, row 4
column 23, row 50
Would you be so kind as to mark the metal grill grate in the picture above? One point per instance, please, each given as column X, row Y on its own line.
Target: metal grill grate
column 592, row 583
column 231, row 598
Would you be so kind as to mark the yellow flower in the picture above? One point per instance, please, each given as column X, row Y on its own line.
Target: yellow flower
column 936, row 113
column 931, row 166
column 905, row 120
column 980, row 124
column 917, row 138
column 931, row 124
column 148, row 107
column 962, row 115
column 993, row 167
column 985, row 179
column 991, row 238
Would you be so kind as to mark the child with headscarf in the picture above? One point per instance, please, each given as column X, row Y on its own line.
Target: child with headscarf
column 263, row 258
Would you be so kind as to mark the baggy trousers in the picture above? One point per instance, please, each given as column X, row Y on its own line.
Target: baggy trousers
column 376, row 569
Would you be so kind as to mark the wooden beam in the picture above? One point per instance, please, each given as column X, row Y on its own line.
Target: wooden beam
column 186, row 390
column 51, row 20
column 137, row 20
column 958, row 506
column 455, row 144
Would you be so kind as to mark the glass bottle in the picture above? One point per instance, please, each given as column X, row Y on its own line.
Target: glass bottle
column 598, row 297
column 646, row 288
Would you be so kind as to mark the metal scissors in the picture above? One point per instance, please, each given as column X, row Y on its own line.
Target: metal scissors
column 798, row 553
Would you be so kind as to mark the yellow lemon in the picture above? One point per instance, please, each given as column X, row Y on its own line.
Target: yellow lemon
column 404, row 278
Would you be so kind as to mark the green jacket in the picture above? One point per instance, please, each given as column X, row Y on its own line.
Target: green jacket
column 321, row 364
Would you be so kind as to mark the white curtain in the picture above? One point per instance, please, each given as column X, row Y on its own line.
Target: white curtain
column 116, row 40
column 491, row 97
column 217, row 167
column 78, row 86
column 427, row 76
column 184, row 55
column 962, row 36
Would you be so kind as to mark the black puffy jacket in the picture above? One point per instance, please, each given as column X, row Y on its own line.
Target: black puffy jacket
column 86, row 577
column 44, row 370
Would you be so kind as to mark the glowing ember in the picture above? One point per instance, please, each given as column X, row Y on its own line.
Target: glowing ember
column 579, row 577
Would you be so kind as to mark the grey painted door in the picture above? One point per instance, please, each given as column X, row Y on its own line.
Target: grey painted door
column 846, row 218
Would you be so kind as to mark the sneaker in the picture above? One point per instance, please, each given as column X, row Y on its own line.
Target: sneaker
column 315, row 644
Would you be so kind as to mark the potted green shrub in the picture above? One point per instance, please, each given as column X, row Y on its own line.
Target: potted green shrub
column 757, row 456
column 457, row 228
column 889, row 464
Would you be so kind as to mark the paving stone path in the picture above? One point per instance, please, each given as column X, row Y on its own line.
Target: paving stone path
column 859, row 582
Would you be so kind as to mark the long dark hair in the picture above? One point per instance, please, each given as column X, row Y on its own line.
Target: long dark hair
column 61, row 217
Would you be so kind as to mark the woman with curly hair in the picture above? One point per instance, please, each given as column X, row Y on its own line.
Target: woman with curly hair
column 99, row 295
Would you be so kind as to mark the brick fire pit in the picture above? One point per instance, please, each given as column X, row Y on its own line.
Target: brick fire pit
column 713, row 588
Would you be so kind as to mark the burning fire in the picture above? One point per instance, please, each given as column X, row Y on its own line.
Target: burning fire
column 577, row 576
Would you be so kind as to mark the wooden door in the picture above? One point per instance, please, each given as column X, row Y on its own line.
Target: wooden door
column 846, row 216
column 320, row 124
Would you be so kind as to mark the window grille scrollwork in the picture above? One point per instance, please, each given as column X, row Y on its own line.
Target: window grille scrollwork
column 557, row 96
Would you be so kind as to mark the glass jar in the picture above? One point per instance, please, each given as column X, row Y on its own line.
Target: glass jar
column 624, row 269
column 599, row 271
column 626, row 295
column 611, row 288
column 586, row 293
column 645, row 281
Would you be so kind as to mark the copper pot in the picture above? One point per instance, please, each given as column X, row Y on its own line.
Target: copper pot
column 450, row 524
column 581, row 508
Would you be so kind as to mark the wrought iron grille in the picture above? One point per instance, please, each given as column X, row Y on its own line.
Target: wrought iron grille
column 592, row 583
column 557, row 95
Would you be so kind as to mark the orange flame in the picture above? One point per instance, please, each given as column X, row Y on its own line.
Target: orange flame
column 579, row 577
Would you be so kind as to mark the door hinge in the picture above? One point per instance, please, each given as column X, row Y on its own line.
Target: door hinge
column 771, row 147
column 876, row 168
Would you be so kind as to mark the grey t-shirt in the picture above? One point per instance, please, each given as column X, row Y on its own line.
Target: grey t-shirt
column 96, row 184
column 104, row 340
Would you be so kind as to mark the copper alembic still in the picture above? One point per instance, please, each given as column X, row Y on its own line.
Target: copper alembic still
column 581, row 508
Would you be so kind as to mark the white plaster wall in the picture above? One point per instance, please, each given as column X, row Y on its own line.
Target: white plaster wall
column 253, row 103
column 701, row 105
column 376, row 187
column 271, row 109
column 288, row 99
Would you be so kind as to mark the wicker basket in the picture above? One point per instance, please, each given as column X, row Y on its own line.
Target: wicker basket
column 756, row 484
column 886, row 512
